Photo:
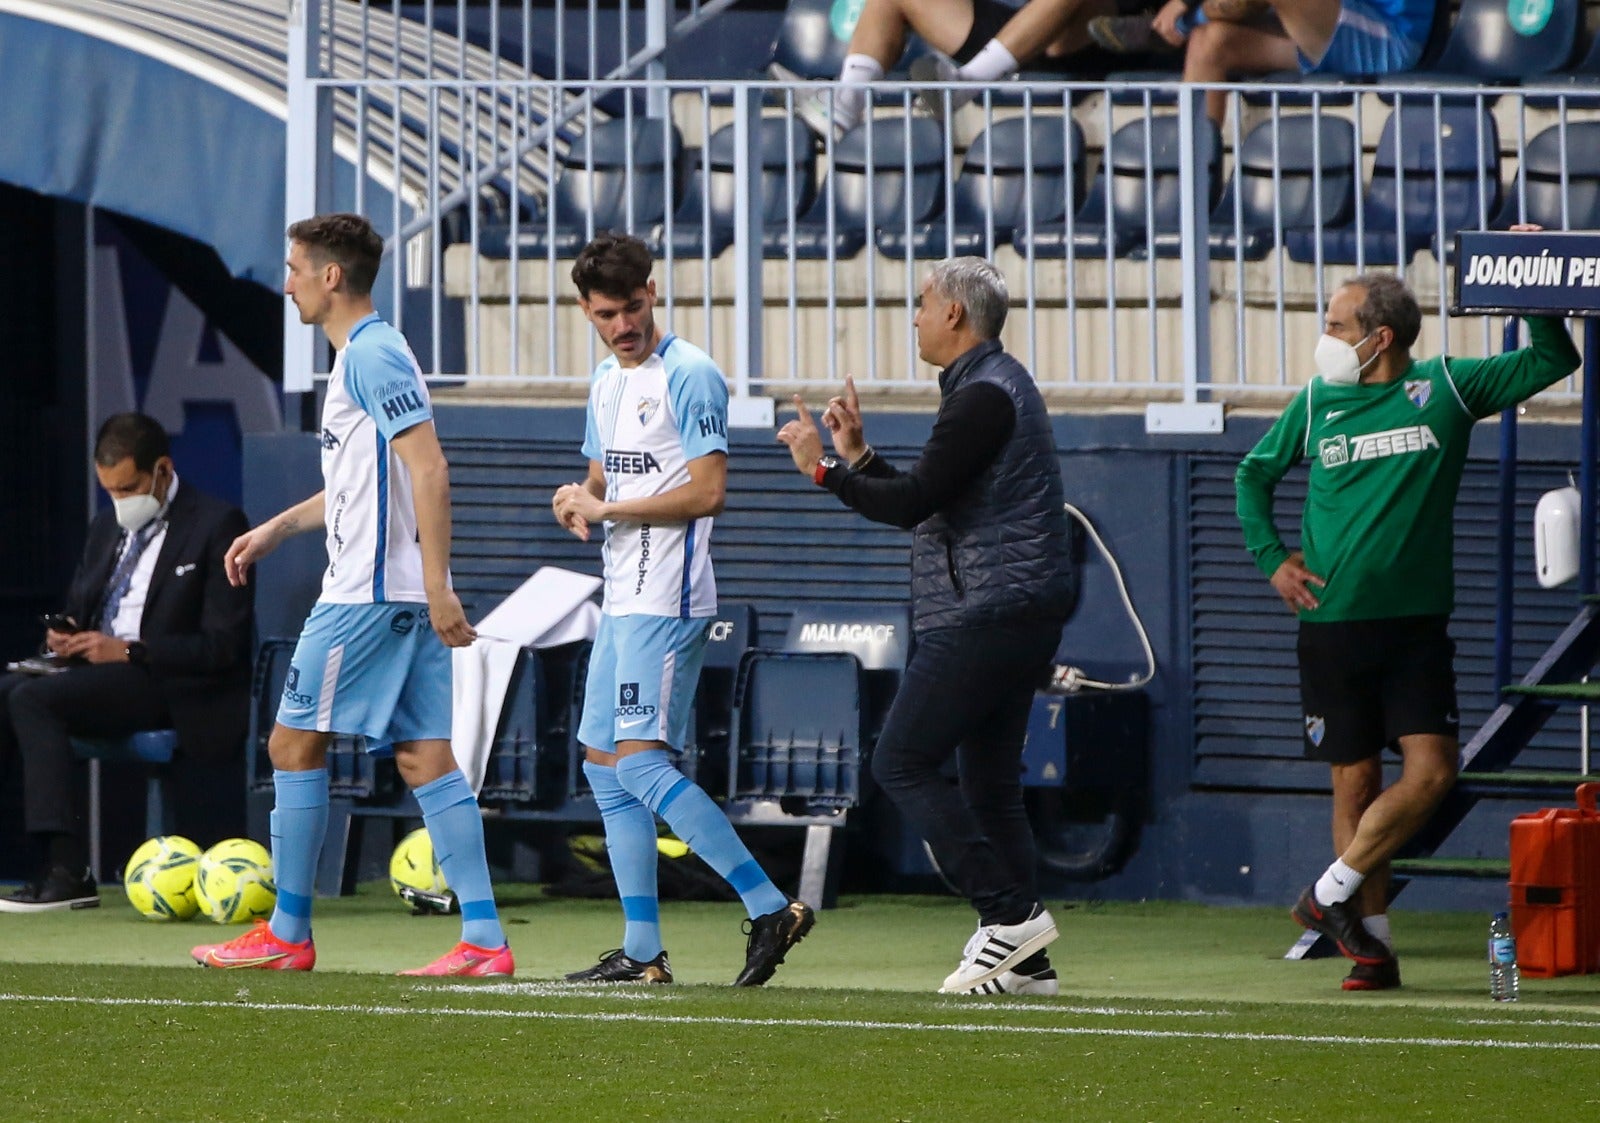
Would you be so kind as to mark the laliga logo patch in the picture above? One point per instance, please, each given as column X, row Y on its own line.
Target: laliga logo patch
column 1316, row 727
column 647, row 409
column 1419, row 390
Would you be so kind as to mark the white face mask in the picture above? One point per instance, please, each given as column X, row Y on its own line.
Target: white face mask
column 1338, row 362
column 134, row 512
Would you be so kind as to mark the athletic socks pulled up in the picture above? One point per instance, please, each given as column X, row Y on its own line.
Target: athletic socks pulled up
column 450, row 811
column 693, row 816
column 299, row 822
column 631, row 843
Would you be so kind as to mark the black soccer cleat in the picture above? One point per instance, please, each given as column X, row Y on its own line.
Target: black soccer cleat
column 771, row 937
column 1382, row 976
column 1340, row 923
column 615, row 967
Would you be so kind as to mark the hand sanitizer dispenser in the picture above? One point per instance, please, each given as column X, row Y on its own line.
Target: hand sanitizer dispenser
column 1555, row 536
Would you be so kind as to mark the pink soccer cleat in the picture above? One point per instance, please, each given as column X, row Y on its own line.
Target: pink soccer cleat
column 258, row 948
column 470, row 961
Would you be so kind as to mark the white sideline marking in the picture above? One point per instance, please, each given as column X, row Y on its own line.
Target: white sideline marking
column 805, row 1023
column 1093, row 1011
column 625, row 992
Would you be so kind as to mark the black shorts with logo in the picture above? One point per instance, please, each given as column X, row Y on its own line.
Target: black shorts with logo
column 1364, row 684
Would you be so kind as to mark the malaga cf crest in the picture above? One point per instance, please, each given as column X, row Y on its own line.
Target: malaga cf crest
column 647, row 409
column 1316, row 728
column 1419, row 390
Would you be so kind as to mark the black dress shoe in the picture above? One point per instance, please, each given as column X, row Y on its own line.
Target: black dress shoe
column 58, row 888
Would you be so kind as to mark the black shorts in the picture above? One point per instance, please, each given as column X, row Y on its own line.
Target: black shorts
column 1364, row 684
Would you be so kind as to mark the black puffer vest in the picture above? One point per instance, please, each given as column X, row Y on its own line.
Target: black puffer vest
column 998, row 553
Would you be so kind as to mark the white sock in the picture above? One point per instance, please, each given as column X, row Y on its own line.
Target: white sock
column 850, row 98
column 993, row 62
column 1338, row 883
column 1379, row 927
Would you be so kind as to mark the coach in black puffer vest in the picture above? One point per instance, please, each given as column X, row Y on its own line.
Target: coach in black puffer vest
column 992, row 583
column 997, row 552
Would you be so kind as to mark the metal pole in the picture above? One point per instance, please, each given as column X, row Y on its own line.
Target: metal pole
column 301, row 175
column 747, row 300
column 1506, row 536
column 1588, row 444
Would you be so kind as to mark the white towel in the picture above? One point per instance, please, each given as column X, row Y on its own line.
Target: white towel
column 551, row 607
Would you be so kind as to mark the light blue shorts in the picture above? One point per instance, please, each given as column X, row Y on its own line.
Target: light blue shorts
column 1367, row 40
column 642, row 675
column 374, row 670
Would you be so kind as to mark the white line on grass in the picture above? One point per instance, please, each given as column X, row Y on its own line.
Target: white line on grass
column 603, row 993
column 803, row 1023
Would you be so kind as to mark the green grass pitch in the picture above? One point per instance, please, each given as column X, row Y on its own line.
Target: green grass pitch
column 1167, row 1012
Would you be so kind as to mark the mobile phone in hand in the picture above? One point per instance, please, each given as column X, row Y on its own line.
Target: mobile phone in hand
column 59, row 622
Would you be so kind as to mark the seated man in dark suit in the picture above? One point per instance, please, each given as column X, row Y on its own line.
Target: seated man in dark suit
column 154, row 638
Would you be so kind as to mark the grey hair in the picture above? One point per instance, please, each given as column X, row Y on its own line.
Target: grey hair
column 978, row 287
column 1389, row 304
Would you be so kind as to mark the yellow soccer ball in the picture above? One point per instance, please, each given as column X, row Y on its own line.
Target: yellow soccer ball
column 234, row 882
column 416, row 878
column 159, row 878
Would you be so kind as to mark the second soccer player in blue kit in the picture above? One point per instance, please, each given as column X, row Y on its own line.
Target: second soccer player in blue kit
column 657, row 445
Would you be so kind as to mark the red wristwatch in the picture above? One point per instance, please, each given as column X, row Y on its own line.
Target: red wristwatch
column 823, row 464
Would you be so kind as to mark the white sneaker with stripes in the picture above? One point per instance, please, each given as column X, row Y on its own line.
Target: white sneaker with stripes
column 996, row 948
column 1043, row 984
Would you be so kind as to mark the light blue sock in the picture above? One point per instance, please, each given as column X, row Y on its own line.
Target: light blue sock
column 631, row 842
column 299, row 820
column 450, row 811
column 693, row 817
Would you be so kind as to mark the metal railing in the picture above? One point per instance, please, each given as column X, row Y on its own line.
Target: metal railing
column 1200, row 276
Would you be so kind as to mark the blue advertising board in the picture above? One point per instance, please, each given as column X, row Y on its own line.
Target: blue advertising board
column 1544, row 272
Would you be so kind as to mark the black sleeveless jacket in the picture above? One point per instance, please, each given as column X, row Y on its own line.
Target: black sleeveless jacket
column 998, row 553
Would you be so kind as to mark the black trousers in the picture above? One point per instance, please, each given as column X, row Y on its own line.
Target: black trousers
column 967, row 692
column 38, row 713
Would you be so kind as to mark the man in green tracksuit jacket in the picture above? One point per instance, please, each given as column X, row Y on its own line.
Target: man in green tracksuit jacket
column 1373, row 583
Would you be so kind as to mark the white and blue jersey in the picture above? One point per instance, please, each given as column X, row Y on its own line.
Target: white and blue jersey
column 376, row 393
column 645, row 424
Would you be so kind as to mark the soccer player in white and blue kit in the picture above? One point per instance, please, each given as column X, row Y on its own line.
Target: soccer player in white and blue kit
column 657, row 446
column 373, row 657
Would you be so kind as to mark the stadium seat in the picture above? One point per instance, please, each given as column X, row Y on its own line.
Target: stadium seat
column 614, row 177
column 1264, row 88
column 1544, row 167
column 1487, row 45
column 886, row 171
column 805, row 46
column 1016, row 169
column 877, row 636
column 1578, row 86
column 1425, row 153
column 1132, row 200
column 1282, row 176
column 733, row 632
column 703, row 225
column 512, row 773
column 800, row 730
column 154, row 750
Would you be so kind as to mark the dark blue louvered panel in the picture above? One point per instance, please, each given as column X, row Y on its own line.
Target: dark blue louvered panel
column 1246, row 686
column 781, row 541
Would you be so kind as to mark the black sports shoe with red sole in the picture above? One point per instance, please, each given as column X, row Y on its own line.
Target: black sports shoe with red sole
column 1381, row 976
column 1340, row 924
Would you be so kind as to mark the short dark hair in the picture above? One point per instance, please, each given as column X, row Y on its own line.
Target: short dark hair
column 1388, row 304
column 615, row 265
column 131, row 434
column 346, row 239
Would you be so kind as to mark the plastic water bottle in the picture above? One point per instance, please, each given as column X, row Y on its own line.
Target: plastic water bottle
column 1503, row 973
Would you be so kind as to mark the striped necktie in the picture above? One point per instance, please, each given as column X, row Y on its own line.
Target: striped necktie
column 122, row 576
